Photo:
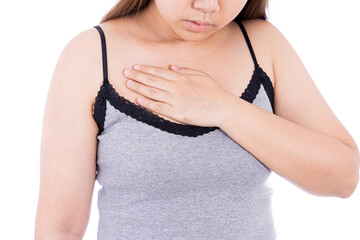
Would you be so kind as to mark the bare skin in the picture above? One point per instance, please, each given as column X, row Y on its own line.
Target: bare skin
column 320, row 155
column 233, row 72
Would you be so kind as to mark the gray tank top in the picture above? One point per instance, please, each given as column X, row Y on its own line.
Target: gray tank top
column 164, row 180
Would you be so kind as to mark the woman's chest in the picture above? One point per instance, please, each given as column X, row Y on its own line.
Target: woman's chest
column 133, row 151
column 231, row 65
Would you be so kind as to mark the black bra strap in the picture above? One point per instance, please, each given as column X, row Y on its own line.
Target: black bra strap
column 248, row 43
column 103, row 49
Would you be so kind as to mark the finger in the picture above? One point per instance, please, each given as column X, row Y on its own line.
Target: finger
column 185, row 70
column 157, row 107
column 156, row 71
column 147, row 79
column 149, row 92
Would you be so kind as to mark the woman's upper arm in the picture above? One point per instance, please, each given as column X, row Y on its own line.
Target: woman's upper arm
column 297, row 98
column 68, row 141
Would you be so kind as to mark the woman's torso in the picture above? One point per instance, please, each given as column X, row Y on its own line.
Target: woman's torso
column 164, row 180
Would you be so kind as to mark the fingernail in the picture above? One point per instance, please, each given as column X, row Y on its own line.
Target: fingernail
column 140, row 100
column 129, row 83
column 127, row 72
column 175, row 67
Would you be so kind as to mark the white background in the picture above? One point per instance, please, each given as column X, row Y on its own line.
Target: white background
column 325, row 34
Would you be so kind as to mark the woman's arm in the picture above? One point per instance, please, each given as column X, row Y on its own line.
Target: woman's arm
column 68, row 143
column 304, row 142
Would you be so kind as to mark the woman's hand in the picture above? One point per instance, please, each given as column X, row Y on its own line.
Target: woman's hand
column 184, row 94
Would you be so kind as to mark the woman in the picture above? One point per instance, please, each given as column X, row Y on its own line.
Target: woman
column 192, row 159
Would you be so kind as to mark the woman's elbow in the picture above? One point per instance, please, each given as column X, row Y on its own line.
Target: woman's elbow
column 351, row 179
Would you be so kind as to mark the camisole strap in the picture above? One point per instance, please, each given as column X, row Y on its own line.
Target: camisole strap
column 103, row 49
column 248, row 43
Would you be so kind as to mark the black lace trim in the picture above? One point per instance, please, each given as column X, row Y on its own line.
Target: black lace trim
column 142, row 114
column 99, row 107
column 268, row 86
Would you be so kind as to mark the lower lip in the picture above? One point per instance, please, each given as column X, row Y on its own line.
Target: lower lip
column 198, row 28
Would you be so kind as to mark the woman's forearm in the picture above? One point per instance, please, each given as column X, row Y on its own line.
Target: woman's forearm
column 316, row 162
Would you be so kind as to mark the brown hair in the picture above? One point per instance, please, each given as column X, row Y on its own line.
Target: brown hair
column 252, row 9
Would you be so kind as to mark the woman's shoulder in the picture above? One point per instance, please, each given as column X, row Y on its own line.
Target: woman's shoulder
column 79, row 65
column 119, row 29
column 267, row 40
column 258, row 25
column 263, row 33
column 82, row 54
column 260, row 31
